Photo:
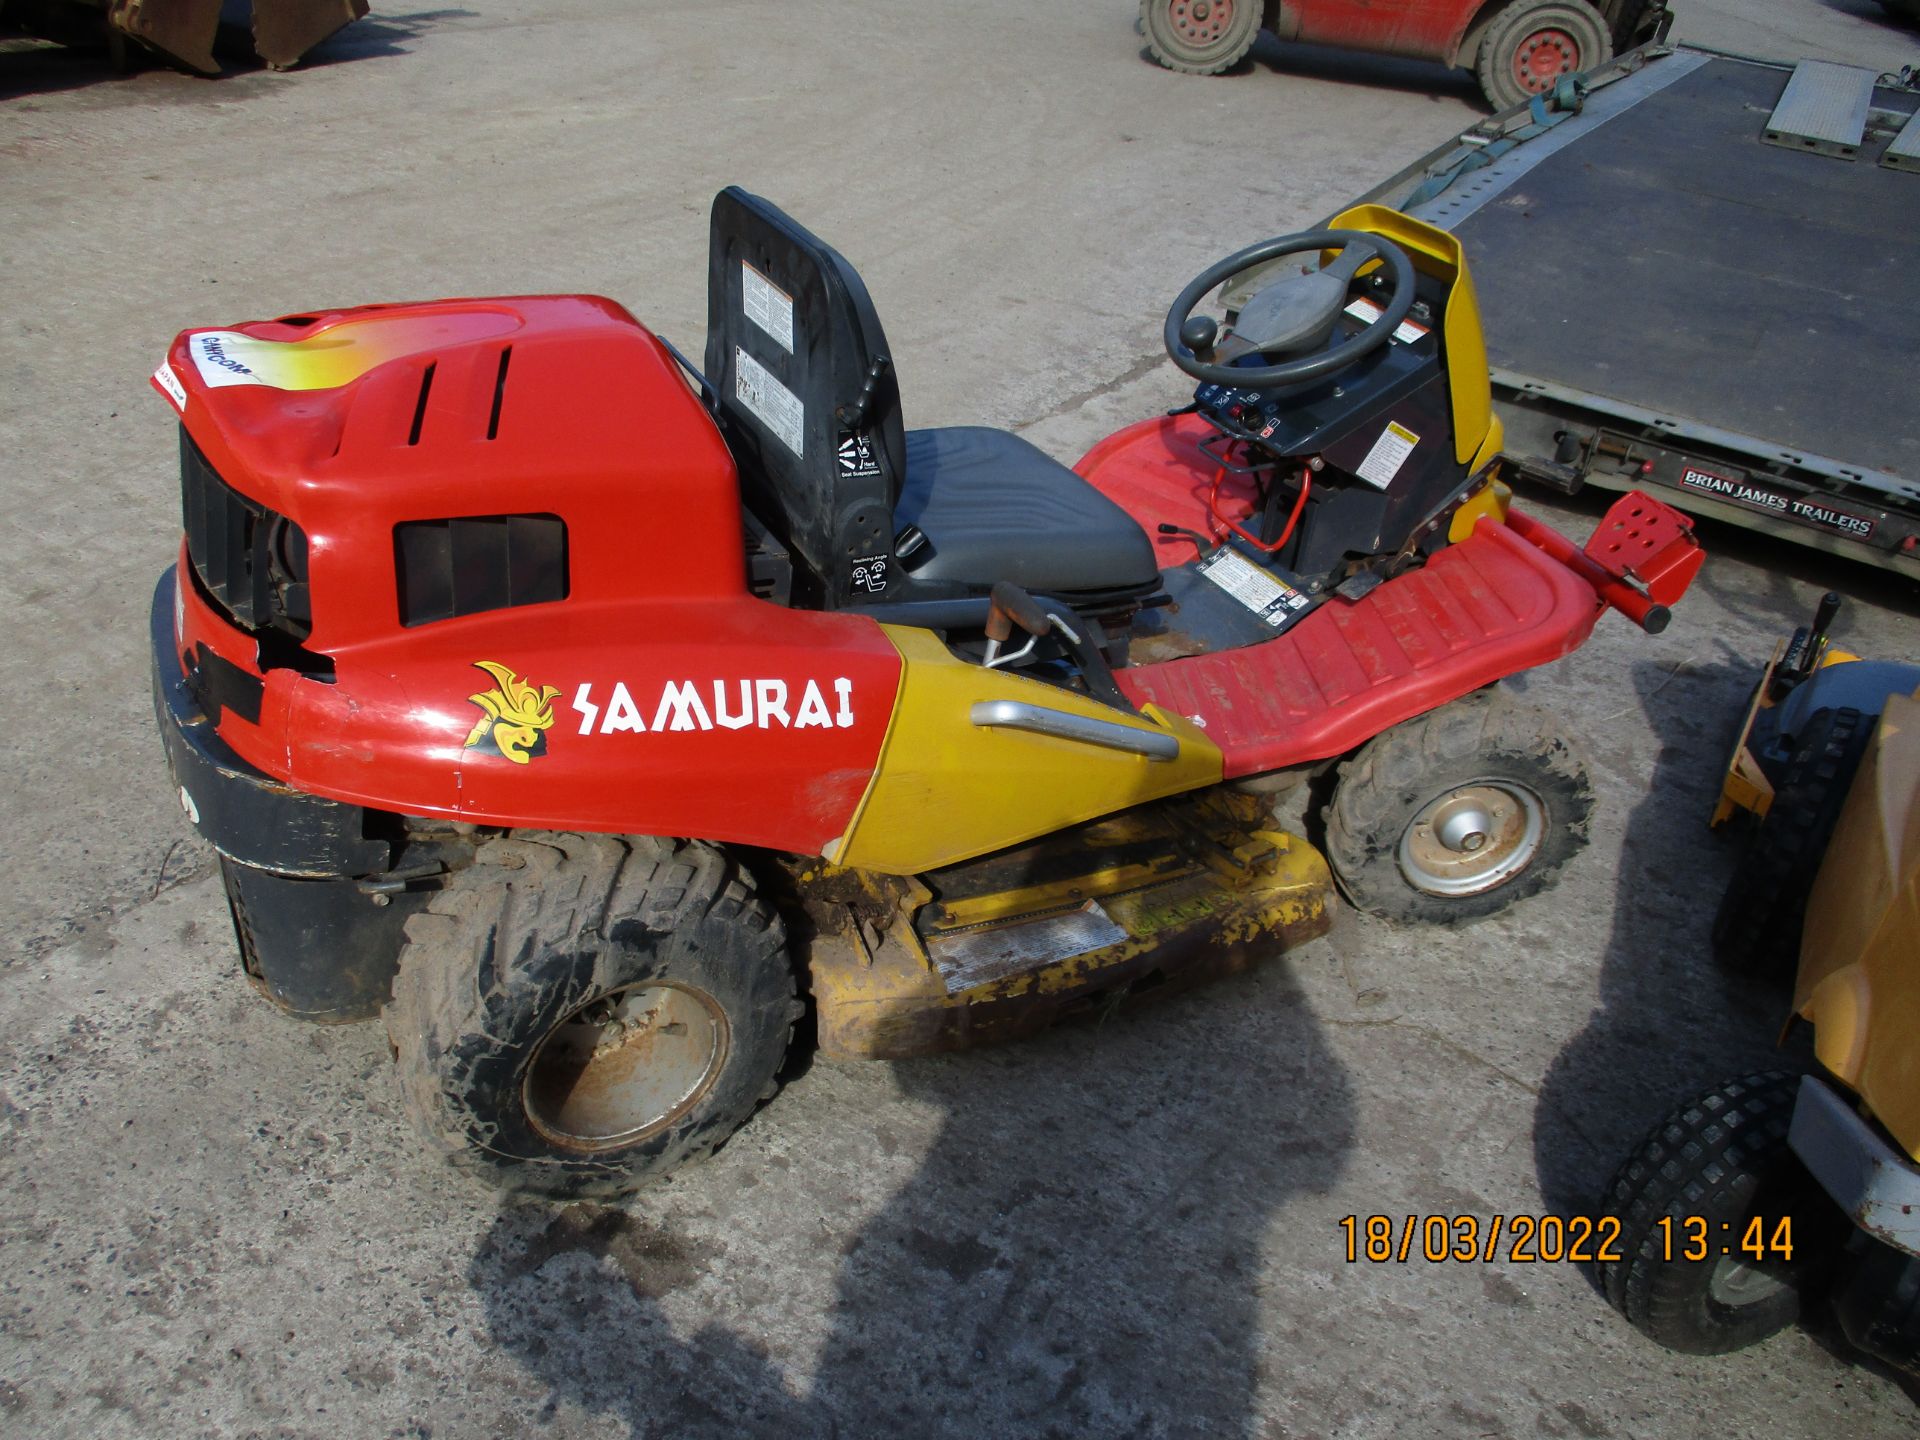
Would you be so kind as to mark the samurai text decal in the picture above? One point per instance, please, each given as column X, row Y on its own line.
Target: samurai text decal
column 724, row 704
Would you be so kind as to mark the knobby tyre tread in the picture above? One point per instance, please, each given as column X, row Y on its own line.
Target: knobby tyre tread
column 1758, row 925
column 1383, row 786
column 1717, row 1157
column 537, row 927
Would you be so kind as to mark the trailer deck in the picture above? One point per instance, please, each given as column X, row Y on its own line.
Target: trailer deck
column 1682, row 289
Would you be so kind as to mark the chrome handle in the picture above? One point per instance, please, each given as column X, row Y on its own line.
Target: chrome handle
column 1063, row 725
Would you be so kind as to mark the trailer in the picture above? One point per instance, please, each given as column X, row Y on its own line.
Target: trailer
column 1701, row 271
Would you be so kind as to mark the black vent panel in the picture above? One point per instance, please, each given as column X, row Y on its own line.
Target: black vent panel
column 474, row 563
column 250, row 561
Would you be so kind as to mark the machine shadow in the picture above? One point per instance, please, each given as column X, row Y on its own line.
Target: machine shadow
column 1347, row 67
column 1361, row 67
column 1669, row 1021
column 1079, row 1251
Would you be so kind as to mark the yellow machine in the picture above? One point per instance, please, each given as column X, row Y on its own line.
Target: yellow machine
column 1730, row 1211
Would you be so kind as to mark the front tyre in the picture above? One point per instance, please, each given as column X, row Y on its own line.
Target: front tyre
column 1698, row 1183
column 1458, row 813
column 1757, row 927
column 1200, row 37
column 578, row 1014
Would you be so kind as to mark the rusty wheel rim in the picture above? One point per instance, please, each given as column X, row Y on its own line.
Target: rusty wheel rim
column 1201, row 22
column 625, row 1066
column 1473, row 838
column 1543, row 57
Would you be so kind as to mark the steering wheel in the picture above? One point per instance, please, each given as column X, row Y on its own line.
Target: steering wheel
column 1291, row 313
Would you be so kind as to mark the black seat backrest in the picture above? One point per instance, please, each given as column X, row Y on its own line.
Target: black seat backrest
column 793, row 351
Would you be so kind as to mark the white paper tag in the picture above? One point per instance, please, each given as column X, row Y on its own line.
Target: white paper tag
column 776, row 407
column 1272, row 599
column 767, row 305
column 1406, row 332
column 216, row 355
column 1388, row 454
column 170, row 382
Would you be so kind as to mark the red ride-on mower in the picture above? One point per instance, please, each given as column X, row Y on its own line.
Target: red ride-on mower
column 575, row 709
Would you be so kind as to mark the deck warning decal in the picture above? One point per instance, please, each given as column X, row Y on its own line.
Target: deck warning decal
column 776, row 407
column 1406, row 332
column 1388, row 454
column 1269, row 597
column 767, row 305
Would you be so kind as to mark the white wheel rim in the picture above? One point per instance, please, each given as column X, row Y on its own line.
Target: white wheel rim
column 1473, row 838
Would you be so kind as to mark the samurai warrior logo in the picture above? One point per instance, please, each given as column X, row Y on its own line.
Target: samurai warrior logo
column 517, row 718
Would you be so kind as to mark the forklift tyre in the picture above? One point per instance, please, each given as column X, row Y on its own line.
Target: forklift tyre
column 576, row 1015
column 1757, row 928
column 1723, row 1158
column 1458, row 813
column 1530, row 45
column 1200, row 37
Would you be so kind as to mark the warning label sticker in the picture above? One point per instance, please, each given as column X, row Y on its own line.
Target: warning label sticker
column 776, row 407
column 857, row 458
column 1268, row 596
column 1406, row 332
column 767, row 305
column 1388, row 454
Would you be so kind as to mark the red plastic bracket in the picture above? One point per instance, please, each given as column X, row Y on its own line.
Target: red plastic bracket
column 1642, row 539
column 1641, row 559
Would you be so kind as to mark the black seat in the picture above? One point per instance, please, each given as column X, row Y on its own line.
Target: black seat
column 991, row 505
column 806, row 398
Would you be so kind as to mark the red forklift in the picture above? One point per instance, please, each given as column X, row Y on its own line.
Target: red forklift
column 1516, row 48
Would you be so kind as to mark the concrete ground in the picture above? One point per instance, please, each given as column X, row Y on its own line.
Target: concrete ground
column 213, row 1220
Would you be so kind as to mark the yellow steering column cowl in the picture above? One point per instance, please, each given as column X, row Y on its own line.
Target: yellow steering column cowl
column 969, row 765
column 1435, row 252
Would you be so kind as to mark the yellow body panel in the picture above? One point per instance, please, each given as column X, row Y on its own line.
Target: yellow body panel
column 1859, row 980
column 1434, row 252
column 1492, row 498
column 946, row 789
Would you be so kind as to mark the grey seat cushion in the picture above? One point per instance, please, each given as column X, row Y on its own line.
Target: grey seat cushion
column 995, row 508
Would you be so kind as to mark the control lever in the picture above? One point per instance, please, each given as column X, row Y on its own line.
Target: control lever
column 1007, row 606
column 1803, row 651
column 854, row 415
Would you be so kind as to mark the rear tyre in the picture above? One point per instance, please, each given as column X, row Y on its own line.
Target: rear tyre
column 1458, row 813
column 1709, row 1170
column 1532, row 43
column 1200, row 37
column 1757, row 928
column 578, row 1014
